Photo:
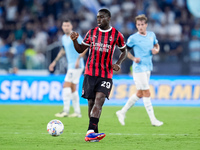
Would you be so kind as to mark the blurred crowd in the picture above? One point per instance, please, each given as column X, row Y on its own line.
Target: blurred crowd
column 30, row 30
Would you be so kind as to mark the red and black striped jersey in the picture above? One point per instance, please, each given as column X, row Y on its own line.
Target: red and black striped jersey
column 101, row 49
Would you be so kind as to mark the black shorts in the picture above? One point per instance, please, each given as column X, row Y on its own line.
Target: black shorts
column 93, row 84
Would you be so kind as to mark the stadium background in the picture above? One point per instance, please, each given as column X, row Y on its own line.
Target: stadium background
column 30, row 38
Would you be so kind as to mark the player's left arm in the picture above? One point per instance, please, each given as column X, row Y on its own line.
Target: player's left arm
column 79, row 57
column 122, row 56
column 78, row 47
column 155, row 49
column 122, row 46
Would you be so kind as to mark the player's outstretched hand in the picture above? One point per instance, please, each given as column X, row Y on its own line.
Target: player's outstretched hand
column 52, row 65
column 74, row 35
column 136, row 60
column 116, row 67
column 154, row 51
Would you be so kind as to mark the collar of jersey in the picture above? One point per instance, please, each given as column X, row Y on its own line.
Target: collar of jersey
column 141, row 34
column 105, row 30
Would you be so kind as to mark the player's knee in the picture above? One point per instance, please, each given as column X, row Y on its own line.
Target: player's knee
column 146, row 93
column 67, row 84
column 139, row 93
column 73, row 87
column 90, row 103
column 99, row 101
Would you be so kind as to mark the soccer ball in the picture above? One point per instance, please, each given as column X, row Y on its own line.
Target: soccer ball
column 55, row 127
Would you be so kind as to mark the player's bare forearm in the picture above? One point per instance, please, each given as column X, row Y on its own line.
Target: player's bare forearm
column 79, row 47
column 131, row 57
column 79, row 57
column 157, row 46
column 116, row 66
column 156, row 49
column 122, row 56
column 83, row 54
column 60, row 54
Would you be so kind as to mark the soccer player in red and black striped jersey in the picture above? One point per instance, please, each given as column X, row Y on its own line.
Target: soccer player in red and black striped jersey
column 97, row 83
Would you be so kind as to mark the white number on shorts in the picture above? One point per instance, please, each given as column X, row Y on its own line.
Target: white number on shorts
column 105, row 84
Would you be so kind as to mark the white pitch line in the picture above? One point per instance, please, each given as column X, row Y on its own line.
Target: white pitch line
column 119, row 134
column 129, row 134
column 133, row 134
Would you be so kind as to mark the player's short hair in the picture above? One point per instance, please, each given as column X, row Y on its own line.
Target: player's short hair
column 141, row 17
column 105, row 11
column 66, row 20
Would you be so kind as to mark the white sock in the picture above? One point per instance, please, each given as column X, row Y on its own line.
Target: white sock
column 76, row 104
column 131, row 101
column 66, row 99
column 89, row 131
column 149, row 108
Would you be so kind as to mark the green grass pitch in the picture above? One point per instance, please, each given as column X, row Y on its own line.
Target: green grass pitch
column 23, row 127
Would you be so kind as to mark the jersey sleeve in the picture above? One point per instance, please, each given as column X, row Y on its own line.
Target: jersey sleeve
column 130, row 42
column 155, row 41
column 120, row 41
column 87, row 39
